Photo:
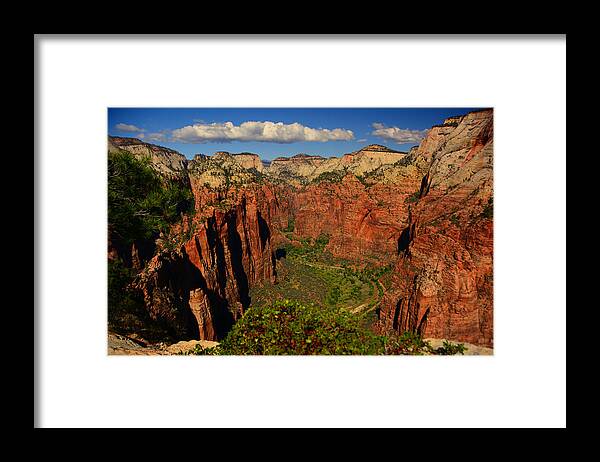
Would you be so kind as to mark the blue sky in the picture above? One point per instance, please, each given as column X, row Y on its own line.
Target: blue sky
column 274, row 132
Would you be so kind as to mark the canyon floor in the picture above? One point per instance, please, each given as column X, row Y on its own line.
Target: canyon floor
column 310, row 274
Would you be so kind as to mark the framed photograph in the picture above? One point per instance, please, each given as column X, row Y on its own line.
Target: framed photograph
column 356, row 221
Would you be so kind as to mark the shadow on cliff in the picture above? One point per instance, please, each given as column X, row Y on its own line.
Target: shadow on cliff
column 236, row 253
column 264, row 231
column 404, row 240
column 192, row 279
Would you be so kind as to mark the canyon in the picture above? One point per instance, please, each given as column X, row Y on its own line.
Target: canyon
column 426, row 215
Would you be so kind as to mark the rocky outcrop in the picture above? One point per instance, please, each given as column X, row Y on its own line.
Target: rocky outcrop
column 302, row 168
column 128, row 345
column 167, row 162
column 201, row 288
column 197, row 282
column 296, row 169
column 442, row 284
column 219, row 172
column 249, row 161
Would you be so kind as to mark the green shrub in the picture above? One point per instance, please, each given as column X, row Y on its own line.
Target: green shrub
column 291, row 328
column 410, row 343
column 333, row 297
column 414, row 197
column 335, row 176
column 120, row 298
column 407, row 343
column 290, row 226
column 126, row 311
column 307, row 250
column 140, row 202
column 449, row 348
column 488, row 210
column 363, row 180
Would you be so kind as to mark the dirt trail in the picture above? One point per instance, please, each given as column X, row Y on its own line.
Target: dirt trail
column 377, row 299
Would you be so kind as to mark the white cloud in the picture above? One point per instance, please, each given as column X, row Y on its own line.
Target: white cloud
column 140, row 135
column 157, row 136
column 275, row 132
column 128, row 128
column 362, row 140
column 399, row 135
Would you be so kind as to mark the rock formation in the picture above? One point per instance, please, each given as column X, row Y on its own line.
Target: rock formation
column 201, row 287
column 167, row 162
column 303, row 168
column 443, row 281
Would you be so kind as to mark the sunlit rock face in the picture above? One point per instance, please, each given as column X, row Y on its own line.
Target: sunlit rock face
column 303, row 168
column 443, row 280
column 167, row 162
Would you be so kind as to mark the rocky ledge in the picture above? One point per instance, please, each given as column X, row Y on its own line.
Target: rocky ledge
column 119, row 345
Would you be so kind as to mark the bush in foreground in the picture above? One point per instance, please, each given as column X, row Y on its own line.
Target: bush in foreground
column 291, row 328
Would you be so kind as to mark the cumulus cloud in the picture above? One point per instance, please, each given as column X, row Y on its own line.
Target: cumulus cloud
column 128, row 128
column 157, row 136
column 399, row 135
column 274, row 132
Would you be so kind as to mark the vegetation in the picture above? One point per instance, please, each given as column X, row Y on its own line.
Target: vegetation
column 121, row 300
column 308, row 250
column 414, row 197
column 290, row 226
column 406, row 160
column 334, row 176
column 455, row 221
column 363, row 179
column 488, row 210
column 126, row 312
column 449, row 348
column 408, row 343
column 140, row 203
column 309, row 274
column 291, row 328
column 308, row 280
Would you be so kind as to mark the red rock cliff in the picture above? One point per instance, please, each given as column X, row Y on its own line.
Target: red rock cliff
column 201, row 288
column 442, row 286
column 364, row 221
column 198, row 283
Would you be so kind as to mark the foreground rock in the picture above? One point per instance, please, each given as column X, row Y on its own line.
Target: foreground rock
column 471, row 350
column 124, row 345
